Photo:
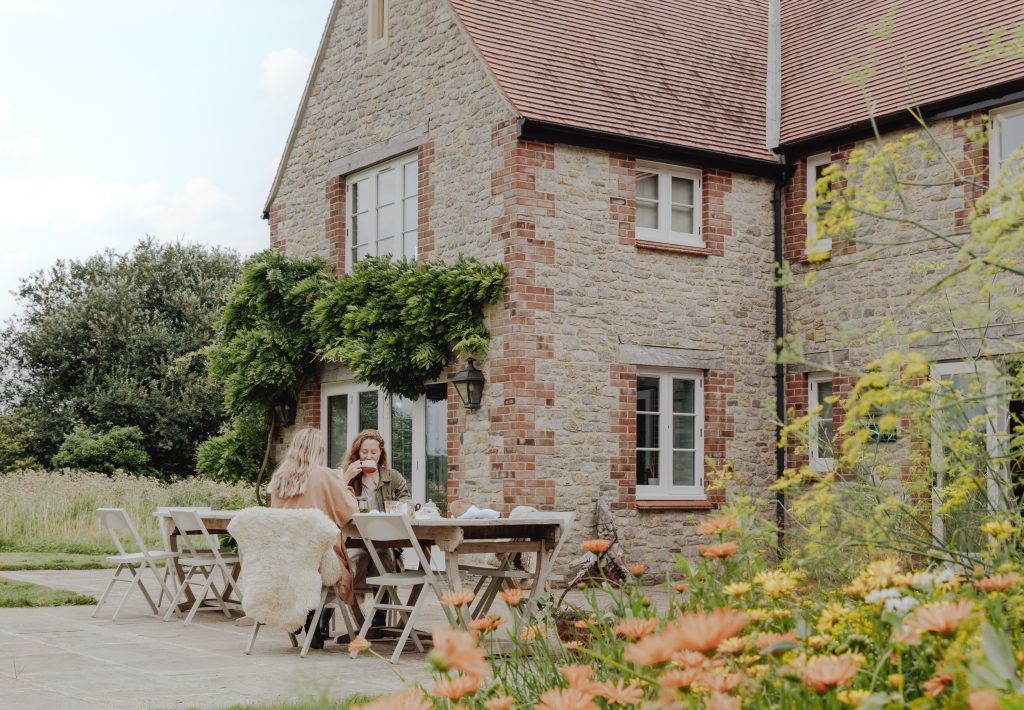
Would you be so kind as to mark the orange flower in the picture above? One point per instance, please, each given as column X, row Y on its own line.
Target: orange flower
column 721, row 682
column 578, row 676
column 358, row 645
column 722, row 702
column 997, row 582
column 983, row 699
column 680, row 587
column 713, row 526
column 581, row 624
column 689, row 659
column 677, row 678
column 619, row 692
column 455, row 688
column 488, row 623
column 458, row 649
column 936, row 684
column 412, row 699
column 597, row 545
column 531, row 633
column 512, row 597
column 940, row 618
column 824, row 672
column 566, row 699
column 458, row 598
column 764, row 641
column 698, row 632
column 722, row 549
column 635, row 628
column 502, row 702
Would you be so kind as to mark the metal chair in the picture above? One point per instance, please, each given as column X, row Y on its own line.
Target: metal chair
column 200, row 562
column 395, row 529
column 115, row 520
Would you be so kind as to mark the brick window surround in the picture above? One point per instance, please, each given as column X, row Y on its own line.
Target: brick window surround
column 716, row 223
column 719, row 429
column 794, row 221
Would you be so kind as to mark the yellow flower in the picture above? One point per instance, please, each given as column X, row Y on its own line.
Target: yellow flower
column 853, row 698
column 999, row 529
column 758, row 671
column 818, row 641
column 781, row 613
column 737, row 644
column 895, row 680
column 758, row 615
column 832, row 614
column 736, row 589
column 880, row 573
column 776, row 582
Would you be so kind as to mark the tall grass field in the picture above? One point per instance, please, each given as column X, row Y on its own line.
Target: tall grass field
column 44, row 511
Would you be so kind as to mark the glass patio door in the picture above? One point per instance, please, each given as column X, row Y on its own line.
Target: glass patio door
column 415, row 432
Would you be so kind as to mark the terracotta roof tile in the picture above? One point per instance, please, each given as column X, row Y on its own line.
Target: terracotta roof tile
column 822, row 38
column 691, row 75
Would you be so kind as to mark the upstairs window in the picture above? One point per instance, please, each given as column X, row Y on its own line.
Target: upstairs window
column 1007, row 137
column 670, row 435
column 668, row 200
column 377, row 24
column 383, row 211
column 816, row 165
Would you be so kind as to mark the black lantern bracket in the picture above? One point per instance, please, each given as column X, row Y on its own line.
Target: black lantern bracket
column 469, row 383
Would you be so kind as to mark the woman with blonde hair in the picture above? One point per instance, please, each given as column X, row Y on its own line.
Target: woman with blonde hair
column 303, row 481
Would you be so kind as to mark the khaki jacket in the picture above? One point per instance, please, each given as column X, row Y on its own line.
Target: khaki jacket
column 325, row 491
column 393, row 486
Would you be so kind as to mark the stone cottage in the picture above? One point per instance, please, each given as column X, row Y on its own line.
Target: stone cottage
column 639, row 167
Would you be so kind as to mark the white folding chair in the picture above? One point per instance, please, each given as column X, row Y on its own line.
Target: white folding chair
column 200, row 563
column 116, row 519
column 375, row 528
column 164, row 525
column 504, row 575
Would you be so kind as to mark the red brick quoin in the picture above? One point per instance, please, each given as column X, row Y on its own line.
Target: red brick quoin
column 334, row 227
column 794, row 221
column 719, row 428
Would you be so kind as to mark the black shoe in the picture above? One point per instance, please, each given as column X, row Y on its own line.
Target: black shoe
column 380, row 619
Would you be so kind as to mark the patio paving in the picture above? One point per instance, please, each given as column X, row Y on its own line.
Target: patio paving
column 61, row 657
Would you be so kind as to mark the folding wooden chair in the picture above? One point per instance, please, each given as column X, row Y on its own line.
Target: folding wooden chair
column 201, row 562
column 504, row 575
column 375, row 528
column 164, row 524
column 116, row 519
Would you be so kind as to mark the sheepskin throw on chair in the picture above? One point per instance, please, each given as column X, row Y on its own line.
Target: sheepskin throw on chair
column 287, row 558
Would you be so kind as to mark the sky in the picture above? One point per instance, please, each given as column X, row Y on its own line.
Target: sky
column 126, row 118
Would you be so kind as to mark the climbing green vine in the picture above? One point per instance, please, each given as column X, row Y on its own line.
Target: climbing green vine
column 393, row 324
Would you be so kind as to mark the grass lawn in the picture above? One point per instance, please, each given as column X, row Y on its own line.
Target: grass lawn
column 18, row 594
column 50, row 560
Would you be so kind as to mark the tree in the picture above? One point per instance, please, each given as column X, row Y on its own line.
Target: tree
column 116, row 340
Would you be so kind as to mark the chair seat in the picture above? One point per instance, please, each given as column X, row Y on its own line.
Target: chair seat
column 484, row 571
column 137, row 557
column 393, row 579
column 206, row 560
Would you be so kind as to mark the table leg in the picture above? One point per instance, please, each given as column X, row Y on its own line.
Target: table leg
column 451, row 569
column 540, row 577
column 186, row 605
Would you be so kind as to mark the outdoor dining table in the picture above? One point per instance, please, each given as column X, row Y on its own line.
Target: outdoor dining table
column 457, row 537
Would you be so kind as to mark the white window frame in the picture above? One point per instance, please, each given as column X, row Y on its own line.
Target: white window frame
column 813, row 163
column 816, row 460
column 369, row 177
column 664, row 234
column 996, row 118
column 417, row 477
column 996, row 428
column 665, row 490
column 377, row 15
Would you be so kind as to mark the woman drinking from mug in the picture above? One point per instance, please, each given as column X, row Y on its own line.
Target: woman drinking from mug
column 374, row 484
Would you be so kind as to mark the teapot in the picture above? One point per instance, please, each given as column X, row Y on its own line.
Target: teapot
column 427, row 511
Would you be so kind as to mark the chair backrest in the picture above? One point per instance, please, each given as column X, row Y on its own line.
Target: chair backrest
column 115, row 519
column 190, row 525
column 390, row 528
column 164, row 522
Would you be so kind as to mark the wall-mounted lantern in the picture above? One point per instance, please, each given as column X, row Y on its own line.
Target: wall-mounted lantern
column 470, row 385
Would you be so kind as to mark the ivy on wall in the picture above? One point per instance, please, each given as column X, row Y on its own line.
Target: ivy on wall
column 393, row 324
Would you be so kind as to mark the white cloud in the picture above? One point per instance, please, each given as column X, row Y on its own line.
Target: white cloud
column 284, row 74
column 62, row 202
column 22, row 146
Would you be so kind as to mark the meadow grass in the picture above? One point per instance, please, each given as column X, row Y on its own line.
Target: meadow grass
column 51, row 560
column 20, row 594
column 55, row 512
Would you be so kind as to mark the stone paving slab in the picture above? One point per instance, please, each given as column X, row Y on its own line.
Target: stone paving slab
column 61, row 657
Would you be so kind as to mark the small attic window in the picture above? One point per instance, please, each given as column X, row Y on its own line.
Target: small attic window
column 377, row 24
